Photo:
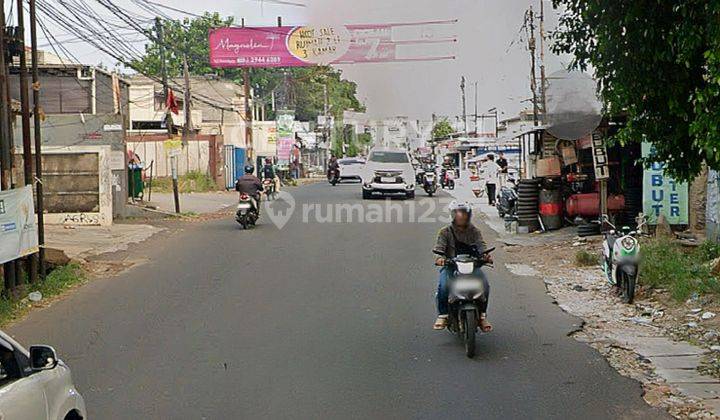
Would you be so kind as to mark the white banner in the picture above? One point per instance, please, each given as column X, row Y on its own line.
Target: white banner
column 18, row 230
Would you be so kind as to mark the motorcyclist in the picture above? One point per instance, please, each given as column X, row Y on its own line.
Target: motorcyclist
column 333, row 165
column 458, row 238
column 251, row 185
column 447, row 165
column 269, row 172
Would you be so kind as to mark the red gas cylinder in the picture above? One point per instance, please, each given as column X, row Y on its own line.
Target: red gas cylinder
column 551, row 209
column 588, row 205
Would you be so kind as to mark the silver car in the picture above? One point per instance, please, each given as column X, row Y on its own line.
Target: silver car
column 36, row 384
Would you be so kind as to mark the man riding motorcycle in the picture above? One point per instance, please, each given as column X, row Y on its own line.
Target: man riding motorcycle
column 458, row 238
column 250, row 185
column 269, row 172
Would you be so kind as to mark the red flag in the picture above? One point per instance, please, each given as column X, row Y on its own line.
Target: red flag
column 171, row 102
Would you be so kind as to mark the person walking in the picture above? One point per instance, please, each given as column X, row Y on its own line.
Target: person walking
column 491, row 169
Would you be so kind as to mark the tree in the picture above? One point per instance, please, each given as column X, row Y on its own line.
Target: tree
column 657, row 63
column 442, row 129
column 305, row 85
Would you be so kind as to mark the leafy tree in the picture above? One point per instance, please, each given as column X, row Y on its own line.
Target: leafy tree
column 442, row 129
column 657, row 64
column 305, row 85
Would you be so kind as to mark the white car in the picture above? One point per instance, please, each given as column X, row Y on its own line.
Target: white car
column 388, row 171
column 35, row 384
column 351, row 169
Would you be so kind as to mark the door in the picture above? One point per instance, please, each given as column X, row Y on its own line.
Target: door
column 21, row 397
column 229, row 157
column 239, row 162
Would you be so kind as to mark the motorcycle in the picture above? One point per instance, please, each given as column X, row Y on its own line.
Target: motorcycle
column 507, row 199
column 334, row 176
column 621, row 257
column 448, row 179
column 269, row 188
column 247, row 211
column 466, row 295
column 429, row 181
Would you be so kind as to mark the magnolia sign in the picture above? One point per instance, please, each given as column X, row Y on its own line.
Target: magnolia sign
column 18, row 230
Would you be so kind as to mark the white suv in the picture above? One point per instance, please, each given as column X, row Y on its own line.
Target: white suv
column 388, row 171
column 35, row 384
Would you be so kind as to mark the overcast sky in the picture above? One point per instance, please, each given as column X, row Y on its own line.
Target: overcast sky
column 489, row 50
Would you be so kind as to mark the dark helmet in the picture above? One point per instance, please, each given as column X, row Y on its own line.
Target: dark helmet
column 249, row 169
column 268, row 161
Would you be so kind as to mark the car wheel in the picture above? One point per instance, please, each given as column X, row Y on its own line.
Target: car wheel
column 410, row 195
column 367, row 195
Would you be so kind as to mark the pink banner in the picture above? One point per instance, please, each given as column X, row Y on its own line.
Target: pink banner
column 293, row 46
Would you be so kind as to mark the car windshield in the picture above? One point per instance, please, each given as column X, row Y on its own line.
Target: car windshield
column 351, row 162
column 389, row 157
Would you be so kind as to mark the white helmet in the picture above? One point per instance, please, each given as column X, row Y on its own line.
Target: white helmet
column 460, row 206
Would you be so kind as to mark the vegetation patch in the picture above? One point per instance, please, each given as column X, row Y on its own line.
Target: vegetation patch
column 194, row 181
column 586, row 259
column 682, row 271
column 56, row 282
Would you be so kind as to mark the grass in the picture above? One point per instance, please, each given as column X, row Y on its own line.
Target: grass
column 585, row 259
column 194, row 181
column 56, row 282
column 682, row 271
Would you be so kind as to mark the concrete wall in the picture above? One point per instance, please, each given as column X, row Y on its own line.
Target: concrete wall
column 203, row 153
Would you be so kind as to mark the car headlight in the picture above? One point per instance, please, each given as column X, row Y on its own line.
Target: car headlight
column 628, row 243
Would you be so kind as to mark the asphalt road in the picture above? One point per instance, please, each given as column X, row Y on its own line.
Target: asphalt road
column 317, row 320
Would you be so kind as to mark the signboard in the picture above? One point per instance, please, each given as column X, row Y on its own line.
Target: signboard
column 18, row 231
column 172, row 147
column 285, row 135
column 294, row 46
column 662, row 194
column 600, row 159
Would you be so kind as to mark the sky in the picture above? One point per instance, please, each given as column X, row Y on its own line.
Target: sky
column 491, row 50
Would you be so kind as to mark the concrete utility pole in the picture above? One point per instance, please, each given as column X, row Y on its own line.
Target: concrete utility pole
column 542, row 57
column 248, row 115
column 533, row 80
column 6, row 146
column 25, row 108
column 187, row 127
column 163, row 71
column 38, row 138
column 464, row 109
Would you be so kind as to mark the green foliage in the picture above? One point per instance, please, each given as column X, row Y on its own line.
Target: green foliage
column 193, row 181
column 683, row 272
column 585, row 259
column 56, row 282
column 658, row 64
column 305, row 84
column 442, row 129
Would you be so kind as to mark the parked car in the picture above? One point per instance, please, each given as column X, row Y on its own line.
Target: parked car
column 35, row 384
column 351, row 169
column 388, row 171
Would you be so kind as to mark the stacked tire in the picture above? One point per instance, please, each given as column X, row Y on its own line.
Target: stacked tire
column 633, row 205
column 588, row 229
column 527, row 208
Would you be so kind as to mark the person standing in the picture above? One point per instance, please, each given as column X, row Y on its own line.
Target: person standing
column 503, row 171
column 491, row 169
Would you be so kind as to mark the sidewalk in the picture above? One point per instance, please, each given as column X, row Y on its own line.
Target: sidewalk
column 196, row 203
column 82, row 242
column 636, row 340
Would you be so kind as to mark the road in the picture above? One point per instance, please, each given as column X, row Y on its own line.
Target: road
column 328, row 320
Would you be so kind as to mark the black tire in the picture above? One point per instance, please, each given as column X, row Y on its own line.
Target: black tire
column 244, row 224
column 333, row 181
column 629, row 288
column 367, row 195
column 451, row 185
column 430, row 193
column 410, row 195
column 470, row 321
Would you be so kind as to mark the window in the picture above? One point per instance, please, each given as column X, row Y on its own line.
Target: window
column 389, row 157
column 9, row 368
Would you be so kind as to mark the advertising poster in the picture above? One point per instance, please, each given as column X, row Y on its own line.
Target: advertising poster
column 285, row 135
column 662, row 194
column 18, row 230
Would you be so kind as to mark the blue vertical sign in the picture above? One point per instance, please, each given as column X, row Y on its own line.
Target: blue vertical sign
column 662, row 195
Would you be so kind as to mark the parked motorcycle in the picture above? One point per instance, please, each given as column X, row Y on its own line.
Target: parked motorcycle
column 334, row 176
column 429, row 181
column 466, row 293
column 507, row 199
column 621, row 257
column 247, row 211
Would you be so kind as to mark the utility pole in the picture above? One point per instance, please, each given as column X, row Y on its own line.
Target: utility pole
column 476, row 110
column 6, row 147
column 187, row 127
column 163, row 73
column 38, row 138
column 168, row 113
column 25, row 108
column 542, row 58
column 248, row 115
column 533, row 79
column 464, row 109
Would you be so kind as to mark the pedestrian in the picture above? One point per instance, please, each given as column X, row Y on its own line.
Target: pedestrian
column 491, row 177
column 503, row 165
